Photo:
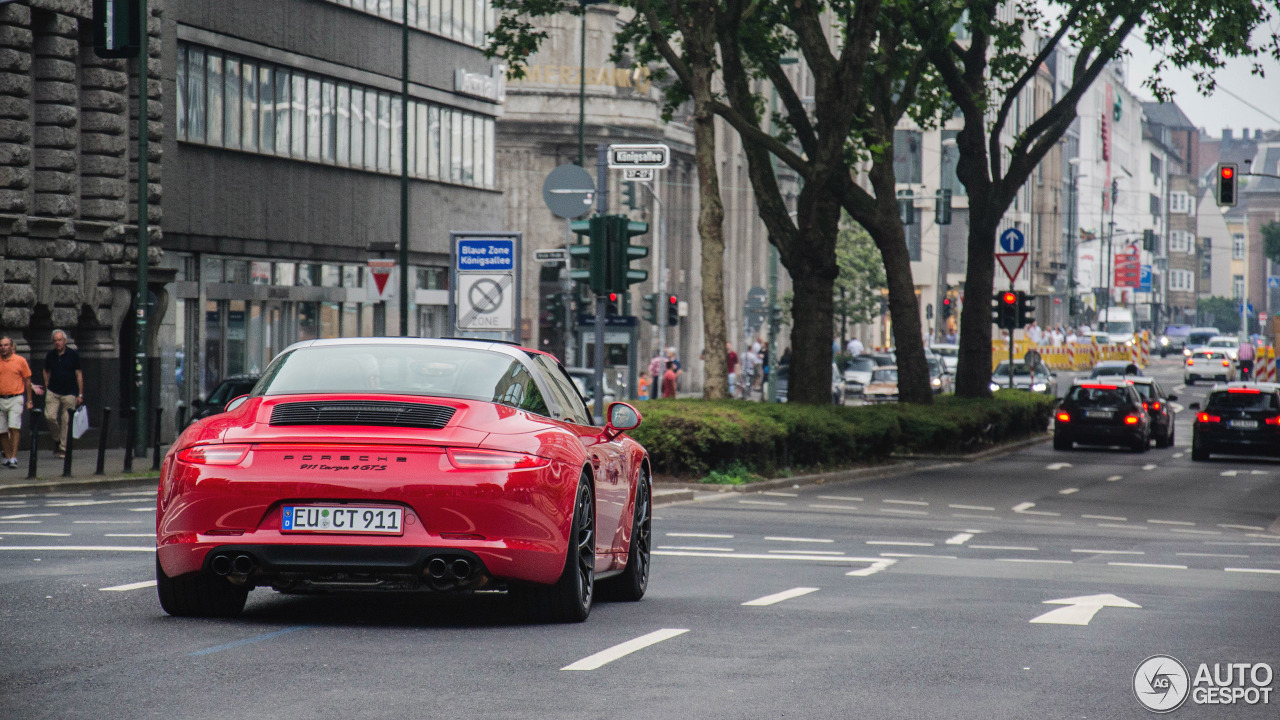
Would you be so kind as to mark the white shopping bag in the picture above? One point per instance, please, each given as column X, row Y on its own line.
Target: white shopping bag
column 80, row 423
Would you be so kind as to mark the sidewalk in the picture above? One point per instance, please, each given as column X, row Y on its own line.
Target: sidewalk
column 84, row 460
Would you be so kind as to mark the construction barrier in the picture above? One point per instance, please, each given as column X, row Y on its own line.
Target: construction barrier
column 1264, row 369
column 1080, row 356
column 1146, row 348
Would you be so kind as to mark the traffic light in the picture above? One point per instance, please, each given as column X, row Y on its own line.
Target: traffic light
column 1004, row 309
column 622, row 252
column 116, row 28
column 616, row 305
column 942, row 212
column 553, row 308
column 673, row 310
column 1026, row 310
column 907, row 206
column 589, row 260
column 651, row 307
column 948, row 307
column 1226, row 184
column 928, row 311
column 629, row 195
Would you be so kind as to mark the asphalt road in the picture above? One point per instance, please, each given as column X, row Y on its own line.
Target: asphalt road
column 918, row 596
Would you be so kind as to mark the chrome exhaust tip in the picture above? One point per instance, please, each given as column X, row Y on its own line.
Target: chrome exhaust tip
column 437, row 567
column 221, row 564
column 242, row 565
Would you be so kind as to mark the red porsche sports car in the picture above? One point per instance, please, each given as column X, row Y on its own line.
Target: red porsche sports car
column 406, row 464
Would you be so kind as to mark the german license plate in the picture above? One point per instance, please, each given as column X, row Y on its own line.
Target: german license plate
column 343, row 519
column 1243, row 424
column 1098, row 414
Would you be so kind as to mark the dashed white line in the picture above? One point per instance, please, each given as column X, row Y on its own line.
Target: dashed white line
column 896, row 543
column 775, row 493
column 914, row 555
column 1006, row 548
column 145, row 535
column 972, row 507
column 756, row 556
column 834, row 507
column 840, row 497
column 130, row 586
column 762, row 502
column 43, row 534
column 81, row 548
column 1171, row 522
column 1035, row 560
column 876, row 566
column 713, row 536
column 1088, row 551
column 1115, row 478
column 1178, row 455
column 1150, row 466
column 21, row 522
column 1068, row 491
column 604, row 657
column 777, row 538
column 807, row 552
column 973, row 516
column 695, row 548
column 109, row 522
column 1196, row 532
column 1253, row 570
column 86, row 503
column 1057, row 466
column 905, row 502
column 903, row 512
column 145, row 509
column 776, row 598
column 1126, row 527
column 135, row 493
column 1113, row 518
column 960, row 538
column 24, row 516
column 1149, row 565
column 1214, row 555
column 1242, row 527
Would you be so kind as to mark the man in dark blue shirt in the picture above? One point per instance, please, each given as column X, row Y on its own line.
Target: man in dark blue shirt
column 64, row 387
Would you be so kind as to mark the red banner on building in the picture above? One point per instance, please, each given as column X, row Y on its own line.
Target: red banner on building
column 1128, row 270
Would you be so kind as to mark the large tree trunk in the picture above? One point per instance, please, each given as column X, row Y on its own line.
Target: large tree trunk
column 973, row 372
column 813, row 272
column 904, row 310
column 711, row 231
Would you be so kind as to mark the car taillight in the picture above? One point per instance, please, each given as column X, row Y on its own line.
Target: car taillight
column 1226, row 363
column 494, row 460
column 1146, row 406
column 214, row 454
column 1191, row 362
column 1131, row 419
column 1155, row 406
column 1064, row 417
column 1207, row 418
column 1273, row 420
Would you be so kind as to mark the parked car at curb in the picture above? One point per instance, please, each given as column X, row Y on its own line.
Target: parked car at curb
column 406, row 464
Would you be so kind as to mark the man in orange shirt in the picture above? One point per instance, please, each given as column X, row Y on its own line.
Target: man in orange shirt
column 15, row 397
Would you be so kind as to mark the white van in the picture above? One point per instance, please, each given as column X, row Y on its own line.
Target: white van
column 1117, row 323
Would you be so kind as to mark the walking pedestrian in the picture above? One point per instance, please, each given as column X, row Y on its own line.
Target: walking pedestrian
column 15, row 397
column 656, row 366
column 750, row 363
column 669, row 380
column 64, row 387
column 731, row 362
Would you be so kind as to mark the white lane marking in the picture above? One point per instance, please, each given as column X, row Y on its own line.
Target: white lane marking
column 774, row 493
column 44, row 534
column 1115, row 518
column 834, row 507
column 1251, row 544
column 1057, row 466
column 1253, row 570
column 716, row 536
column 1004, row 547
column 960, row 539
column 1088, row 551
column 840, row 497
column 145, row 509
column 1115, row 478
column 1035, row 560
column 1127, row 527
column 1022, row 507
column 1178, row 455
column 905, row 502
column 1080, row 610
column 972, row 507
column 1068, row 491
column 1177, row 407
column 1242, row 527
column 762, row 502
column 1217, row 555
column 1179, row 387
column 1258, row 472
column 1171, row 522
column 903, row 512
column 1149, row 565
column 604, row 657
column 36, row 515
column 1025, row 509
column 82, row 548
column 130, row 586
column 914, row 555
column 903, row 543
column 1197, row 532
column 21, row 522
column 695, row 548
column 86, row 503
column 776, row 598
column 754, row 556
column 876, row 567
column 807, row 552
column 146, row 535
column 1149, row 466
column 776, row 538
column 979, row 517
column 109, row 522
column 1263, row 535
column 135, row 493
column 1229, row 473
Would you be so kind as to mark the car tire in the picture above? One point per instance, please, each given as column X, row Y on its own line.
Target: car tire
column 1165, row 439
column 199, row 594
column 1061, row 442
column 1190, row 381
column 569, row 599
column 634, row 580
column 1142, row 444
column 1198, row 453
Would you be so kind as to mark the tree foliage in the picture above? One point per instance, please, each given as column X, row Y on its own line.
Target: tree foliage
column 858, row 287
column 1271, row 241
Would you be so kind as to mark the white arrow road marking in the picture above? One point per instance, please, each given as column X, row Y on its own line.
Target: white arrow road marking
column 1176, row 408
column 130, row 586
column 960, row 539
column 776, row 598
column 877, row 566
column 1080, row 610
column 604, row 657
column 1025, row 509
column 1057, row 466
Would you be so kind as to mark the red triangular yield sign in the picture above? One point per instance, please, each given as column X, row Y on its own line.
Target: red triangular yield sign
column 1012, row 264
column 380, row 279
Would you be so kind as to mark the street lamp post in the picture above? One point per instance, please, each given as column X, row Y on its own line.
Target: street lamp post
column 404, row 171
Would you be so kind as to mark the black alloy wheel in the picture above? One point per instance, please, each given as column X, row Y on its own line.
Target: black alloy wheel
column 1198, row 451
column 570, row 598
column 630, row 586
column 199, row 594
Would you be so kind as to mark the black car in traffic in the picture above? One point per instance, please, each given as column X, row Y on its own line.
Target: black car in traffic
column 1102, row 413
column 1237, row 419
column 1156, row 401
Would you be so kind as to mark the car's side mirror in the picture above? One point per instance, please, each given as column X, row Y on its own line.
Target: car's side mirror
column 1194, row 406
column 235, row 403
column 622, row 417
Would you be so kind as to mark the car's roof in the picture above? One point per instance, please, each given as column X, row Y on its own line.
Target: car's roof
column 1121, row 379
column 498, row 346
column 1223, row 338
column 887, row 367
column 1263, row 386
column 243, row 377
column 1112, row 363
column 1209, row 351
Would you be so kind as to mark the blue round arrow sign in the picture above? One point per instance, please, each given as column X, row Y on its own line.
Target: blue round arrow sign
column 1011, row 240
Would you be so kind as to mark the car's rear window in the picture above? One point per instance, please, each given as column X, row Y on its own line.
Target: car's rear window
column 1227, row 400
column 1199, row 338
column 947, row 351
column 1144, row 390
column 862, row 364
column 1086, row 396
column 404, row 369
column 884, row 376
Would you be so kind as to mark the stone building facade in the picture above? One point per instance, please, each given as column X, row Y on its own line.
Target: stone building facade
column 68, row 189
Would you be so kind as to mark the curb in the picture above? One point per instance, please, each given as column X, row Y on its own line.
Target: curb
column 62, row 484
column 981, row 455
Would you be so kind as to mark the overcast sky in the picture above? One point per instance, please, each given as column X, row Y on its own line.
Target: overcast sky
column 1220, row 109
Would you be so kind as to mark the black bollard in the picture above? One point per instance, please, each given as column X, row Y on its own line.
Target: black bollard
column 35, row 443
column 129, row 437
column 102, row 442
column 155, row 436
column 66, row 462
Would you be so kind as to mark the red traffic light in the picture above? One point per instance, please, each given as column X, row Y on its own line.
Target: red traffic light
column 673, row 300
column 613, row 297
column 1009, row 298
column 946, row 301
column 1228, row 172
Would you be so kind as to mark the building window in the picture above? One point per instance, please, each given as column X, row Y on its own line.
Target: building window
column 1237, row 247
column 907, row 156
column 467, row 21
column 1237, row 286
column 1206, row 258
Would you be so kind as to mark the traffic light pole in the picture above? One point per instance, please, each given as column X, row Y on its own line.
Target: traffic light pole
column 602, row 207
column 142, row 400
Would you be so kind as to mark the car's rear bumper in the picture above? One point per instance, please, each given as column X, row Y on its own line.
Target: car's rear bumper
column 1102, row 434
column 1261, row 443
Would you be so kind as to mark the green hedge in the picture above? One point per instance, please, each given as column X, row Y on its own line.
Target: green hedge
column 692, row 438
